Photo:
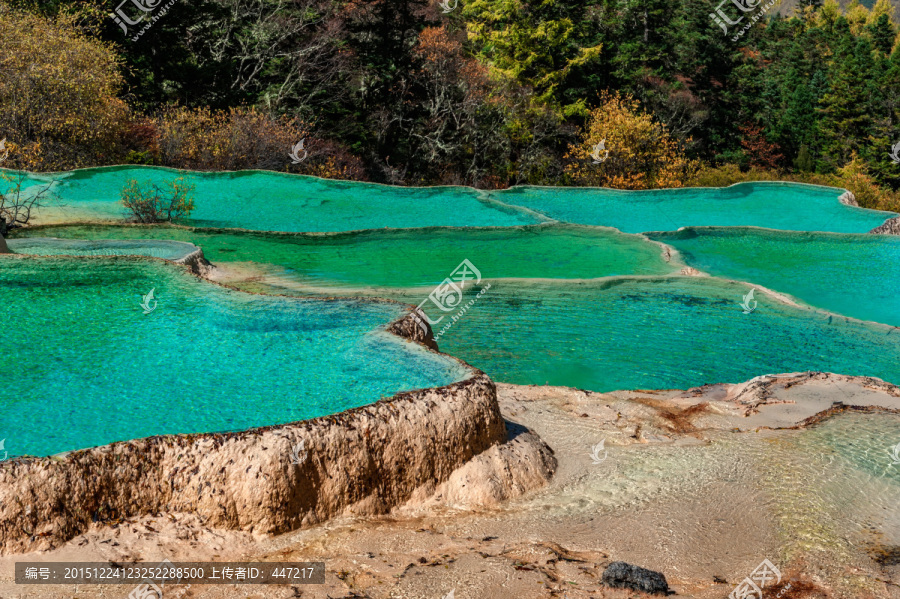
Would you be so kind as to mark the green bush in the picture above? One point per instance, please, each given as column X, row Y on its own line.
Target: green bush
column 152, row 203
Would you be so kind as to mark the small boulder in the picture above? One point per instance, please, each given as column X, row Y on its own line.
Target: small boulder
column 848, row 199
column 625, row 576
column 4, row 249
column 890, row 227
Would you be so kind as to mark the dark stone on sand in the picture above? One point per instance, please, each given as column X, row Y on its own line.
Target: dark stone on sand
column 625, row 576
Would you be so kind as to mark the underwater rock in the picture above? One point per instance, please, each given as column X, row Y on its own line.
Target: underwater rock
column 4, row 249
column 626, row 576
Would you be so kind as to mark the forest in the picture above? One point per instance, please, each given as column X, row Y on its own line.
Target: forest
column 485, row 93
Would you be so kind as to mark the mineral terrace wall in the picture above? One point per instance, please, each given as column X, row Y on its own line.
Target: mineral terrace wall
column 363, row 461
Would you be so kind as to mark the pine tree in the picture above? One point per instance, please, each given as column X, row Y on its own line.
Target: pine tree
column 846, row 105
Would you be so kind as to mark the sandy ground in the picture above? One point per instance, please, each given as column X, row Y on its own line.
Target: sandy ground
column 641, row 477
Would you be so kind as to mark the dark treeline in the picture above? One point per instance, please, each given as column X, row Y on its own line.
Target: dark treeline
column 493, row 93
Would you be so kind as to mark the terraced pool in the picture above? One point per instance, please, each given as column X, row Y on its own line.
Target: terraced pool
column 854, row 275
column 565, row 303
column 408, row 258
column 776, row 205
column 666, row 333
column 268, row 201
column 84, row 365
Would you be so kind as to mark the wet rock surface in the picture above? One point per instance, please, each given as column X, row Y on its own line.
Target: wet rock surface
column 627, row 576
column 890, row 227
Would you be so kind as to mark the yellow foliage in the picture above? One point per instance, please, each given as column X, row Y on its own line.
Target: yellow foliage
column 882, row 7
column 828, row 13
column 642, row 154
column 58, row 93
column 853, row 177
column 857, row 16
column 239, row 138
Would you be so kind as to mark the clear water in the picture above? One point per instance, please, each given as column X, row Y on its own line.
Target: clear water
column 854, row 275
column 826, row 494
column 675, row 332
column 788, row 206
column 531, row 327
column 269, row 201
column 837, row 481
column 671, row 332
column 83, row 365
column 411, row 258
column 155, row 248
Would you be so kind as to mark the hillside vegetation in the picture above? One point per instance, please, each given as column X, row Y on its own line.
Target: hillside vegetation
column 490, row 94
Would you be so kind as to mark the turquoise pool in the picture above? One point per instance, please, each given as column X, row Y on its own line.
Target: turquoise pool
column 269, row 201
column 788, row 206
column 83, row 364
column 567, row 304
column 668, row 333
column 405, row 258
column 854, row 275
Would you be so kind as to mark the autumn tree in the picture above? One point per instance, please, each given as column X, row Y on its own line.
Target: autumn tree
column 58, row 94
column 245, row 138
column 641, row 152
column 760, row 152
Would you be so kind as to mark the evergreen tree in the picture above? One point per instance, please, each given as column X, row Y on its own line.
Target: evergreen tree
column 846, row 107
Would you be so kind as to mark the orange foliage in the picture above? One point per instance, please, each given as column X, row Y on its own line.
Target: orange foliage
column 762, row 153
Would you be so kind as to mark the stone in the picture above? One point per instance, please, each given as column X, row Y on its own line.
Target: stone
column 890, row 227
column 626, row 576
column 848, row 199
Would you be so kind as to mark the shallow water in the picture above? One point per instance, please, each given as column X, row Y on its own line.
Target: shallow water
column 43, row 246
column 826, row 495
column 670, row 333
column 84, row 365
column 412, row 258
column 854, row 275
column 269, row 201
column 789, row 206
